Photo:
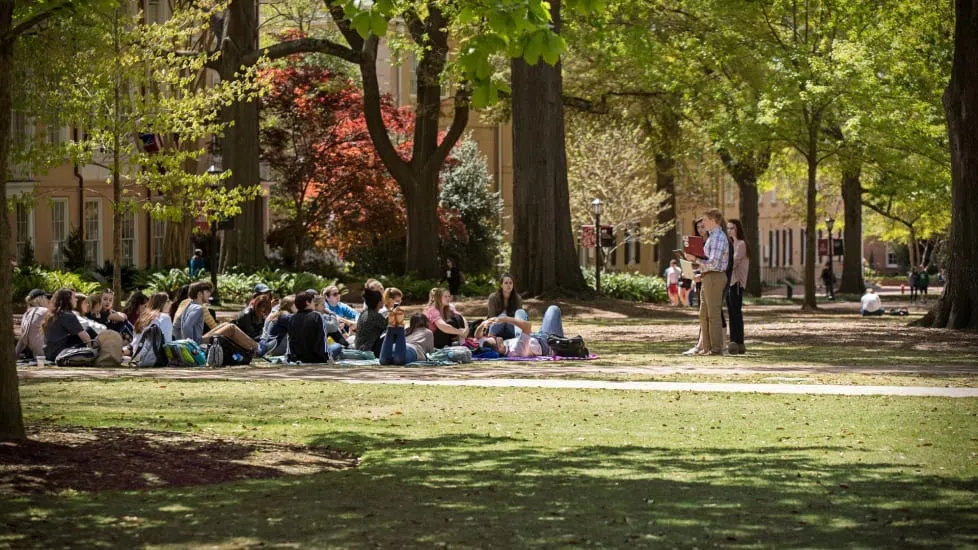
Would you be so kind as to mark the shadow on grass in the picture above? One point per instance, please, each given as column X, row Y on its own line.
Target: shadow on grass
column 467, row 490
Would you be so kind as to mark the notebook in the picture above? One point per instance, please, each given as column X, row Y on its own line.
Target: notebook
column 693, row 245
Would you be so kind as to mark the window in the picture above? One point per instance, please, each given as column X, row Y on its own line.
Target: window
column 816, row 246
column 55, row 132
column 157, row 231
column 128, row 230
column 770, row 248
column 784, row 247
column 791, row 246
column 59, row 231
column 24, row 228
column 413, row 83
column 152, row 11
column 803, row 244
column 632, row 245
column 892, row 258
column 93, row 228
column 777, row 248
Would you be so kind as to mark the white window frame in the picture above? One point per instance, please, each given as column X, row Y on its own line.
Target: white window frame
column 57, row 246
column 154, row 15
column 29, row 233
column 96, row 260
column 130, row 214
column 157, row 242
column 891, row 252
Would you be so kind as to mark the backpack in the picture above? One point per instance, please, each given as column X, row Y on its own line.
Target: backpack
column 454, row 354
column 77, row 357
column 184, row 353
column 150, row 351
column 224, row 352
column 567, row 347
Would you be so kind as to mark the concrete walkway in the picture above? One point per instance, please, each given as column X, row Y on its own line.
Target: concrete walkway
column 481, row 377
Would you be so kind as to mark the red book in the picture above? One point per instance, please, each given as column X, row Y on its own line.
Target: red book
column 693, row 245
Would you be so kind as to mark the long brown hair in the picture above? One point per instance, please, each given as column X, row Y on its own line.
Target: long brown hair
column 155, row 306
column 739, row 230
column 62, row 302
column 285, row 306
column 514, row 302
column 418, row 321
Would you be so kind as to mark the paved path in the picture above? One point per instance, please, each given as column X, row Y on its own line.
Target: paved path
column 482, row 377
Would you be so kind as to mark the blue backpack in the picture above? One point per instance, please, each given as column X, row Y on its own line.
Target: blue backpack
column 184, row 353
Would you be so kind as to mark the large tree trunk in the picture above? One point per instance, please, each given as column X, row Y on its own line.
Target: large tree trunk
column 665, row 180
column 809, row 303
column 544, row 259
column 958, row 306
column 852, row 199
column 11, row 418
column 746, row 169
column 421, row 204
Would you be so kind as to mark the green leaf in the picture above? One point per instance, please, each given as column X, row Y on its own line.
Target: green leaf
column 378, row 24
column 555, row 45
column 361, row 23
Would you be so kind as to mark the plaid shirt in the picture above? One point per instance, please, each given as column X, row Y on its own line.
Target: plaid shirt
column 717, row 248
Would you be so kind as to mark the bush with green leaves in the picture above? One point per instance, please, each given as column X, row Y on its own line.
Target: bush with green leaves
column 630, row 286
column 483, row 284
column 27, row 278
column 169, row 281
column 466, row 187
column 415, row 290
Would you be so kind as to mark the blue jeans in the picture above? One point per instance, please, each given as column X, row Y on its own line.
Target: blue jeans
column 552, row 326
column 335, row 351
column 508, row 330
column 394, row 350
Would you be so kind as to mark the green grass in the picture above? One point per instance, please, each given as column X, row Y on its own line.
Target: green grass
column 510, row 468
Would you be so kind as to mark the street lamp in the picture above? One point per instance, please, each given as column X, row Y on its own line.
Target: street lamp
column 215, row 298
column 829, row 224
column 597, row 207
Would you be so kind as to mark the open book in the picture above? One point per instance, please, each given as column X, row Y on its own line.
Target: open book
column 693, row 245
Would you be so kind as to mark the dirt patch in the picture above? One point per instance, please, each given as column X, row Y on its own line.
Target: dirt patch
column 56, row 458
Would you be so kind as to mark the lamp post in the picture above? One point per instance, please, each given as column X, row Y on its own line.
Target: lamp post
column 215, row 297
column 829, row 223
column 597, row 207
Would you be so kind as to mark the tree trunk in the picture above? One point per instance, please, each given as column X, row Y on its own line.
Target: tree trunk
column 544, row 259
column 11, row 418
column 665, row 180
column 809, row 303
column 746, row 169
column 958, row 306
column 852, row 261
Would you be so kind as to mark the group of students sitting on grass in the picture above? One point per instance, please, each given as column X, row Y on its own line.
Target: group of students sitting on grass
column 307, row 327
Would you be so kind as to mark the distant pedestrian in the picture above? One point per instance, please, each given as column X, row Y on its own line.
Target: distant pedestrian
column 828, row 279
column 913, row 281
column 672, row 276
column 196, row 263
column 453, row 276
column 923, row 281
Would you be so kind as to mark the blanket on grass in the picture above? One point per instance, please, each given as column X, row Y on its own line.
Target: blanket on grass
column 538, row 358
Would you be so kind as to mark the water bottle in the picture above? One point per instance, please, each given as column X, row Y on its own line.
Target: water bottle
column 237, row 357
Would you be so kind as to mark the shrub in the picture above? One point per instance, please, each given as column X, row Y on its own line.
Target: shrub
column 415, row 290
column 28, row 278
column 169, row 281
column 630, row 286
column 74, row 250
column 483, row 284
column 130, row 276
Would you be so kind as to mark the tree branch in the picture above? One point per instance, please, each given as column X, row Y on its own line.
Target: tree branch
column 459, row 122
column 33, row 21
column 302, row 45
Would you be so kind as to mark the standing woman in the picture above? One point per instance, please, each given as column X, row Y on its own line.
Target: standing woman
column 738, row 280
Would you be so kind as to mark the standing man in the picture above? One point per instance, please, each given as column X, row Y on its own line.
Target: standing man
column 196, row 263
column 713, row 274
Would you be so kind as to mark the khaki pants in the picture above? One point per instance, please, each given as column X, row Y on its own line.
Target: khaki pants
column 711, row 304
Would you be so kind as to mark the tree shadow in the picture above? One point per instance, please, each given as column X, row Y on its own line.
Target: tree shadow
column 470, row 490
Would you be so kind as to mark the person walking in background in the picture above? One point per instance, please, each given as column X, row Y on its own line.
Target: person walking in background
column 672, row 276
column 828, row 279
column 196, row 263
column 713, row 278
column 738, row 280
column 912, row 282
column 923, row 281
column 453, row 276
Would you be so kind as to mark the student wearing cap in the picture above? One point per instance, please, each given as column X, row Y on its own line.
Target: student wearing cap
column 31, row 335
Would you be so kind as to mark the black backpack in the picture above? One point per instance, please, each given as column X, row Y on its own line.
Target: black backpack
column 567, row 347
column 232, row 354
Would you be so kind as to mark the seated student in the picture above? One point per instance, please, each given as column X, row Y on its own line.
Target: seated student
column 180, row 303
column 307, row 340
column 275, row 333
column 870, row 304
column 251, row 319
column 135, row 306
column 331, row 323
column 375, row 285
column 419, row 337
column 371, row 324
column 155, row 313
column 443, row 321
column 190, row 322
column 62, row 328
column 83, row 307
column 102, row 313
column 505, row 303
column 394, row 350
column 345, row 314
column 524, row 344
column 31, row 339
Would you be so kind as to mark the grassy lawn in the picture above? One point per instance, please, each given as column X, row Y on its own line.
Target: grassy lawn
column 510, row 468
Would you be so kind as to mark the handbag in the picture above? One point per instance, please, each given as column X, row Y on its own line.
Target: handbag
column 567, row 347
